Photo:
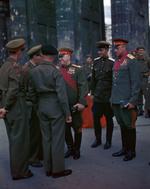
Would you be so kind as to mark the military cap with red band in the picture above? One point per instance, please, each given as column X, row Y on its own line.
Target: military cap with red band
column 119, row 41
column 15, row 45
column 64, row 50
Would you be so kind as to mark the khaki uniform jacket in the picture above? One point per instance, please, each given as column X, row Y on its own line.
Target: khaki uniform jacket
column 126, row 81
column 47, row 79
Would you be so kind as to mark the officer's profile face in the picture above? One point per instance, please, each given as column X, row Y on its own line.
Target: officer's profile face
column 120, row 50
column 20, row 54
column 103, row 52
column 38, row 58
column 141, row 52
column 89, row 59
column 64, row 59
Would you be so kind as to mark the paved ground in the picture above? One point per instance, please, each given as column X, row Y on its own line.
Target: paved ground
column 96, row 169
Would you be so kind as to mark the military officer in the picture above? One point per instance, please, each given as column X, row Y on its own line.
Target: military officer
column 101, row 84
column 88, row 67
column 12, row 86
column 124, row 96
column 144, row 63
column 77, row 90
column 48, row 83
column 35, row 133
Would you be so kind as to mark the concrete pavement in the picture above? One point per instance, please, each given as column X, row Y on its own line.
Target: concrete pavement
column 96, row 169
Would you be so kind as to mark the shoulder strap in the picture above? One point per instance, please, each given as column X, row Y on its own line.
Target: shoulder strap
column 69, row 79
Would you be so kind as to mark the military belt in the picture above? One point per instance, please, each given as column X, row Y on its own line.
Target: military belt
column 21, row 94
column 47, row 95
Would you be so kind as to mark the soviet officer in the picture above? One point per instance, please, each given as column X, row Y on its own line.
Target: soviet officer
column 101, row 85
column 13, row 88
column 88, row 67
column 124, row 96
column 144, row 63
column 35, row 133
column 48, row 85
column 77, row 90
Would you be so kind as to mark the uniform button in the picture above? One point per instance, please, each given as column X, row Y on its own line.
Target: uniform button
column 115, row 78
column 115, row 84
column 101, row 71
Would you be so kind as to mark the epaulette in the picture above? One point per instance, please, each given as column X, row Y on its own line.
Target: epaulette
column 130, row 56
column 76, row 66
column 111, row 59
column 97, row 58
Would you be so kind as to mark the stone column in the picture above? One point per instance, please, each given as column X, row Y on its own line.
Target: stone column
column 3, row 30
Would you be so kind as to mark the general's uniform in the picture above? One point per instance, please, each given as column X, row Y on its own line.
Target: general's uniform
column 125, row 88
column 77, row 90
column 53, row 107
column 101, row 85
column 35, row 133
column 13, row 89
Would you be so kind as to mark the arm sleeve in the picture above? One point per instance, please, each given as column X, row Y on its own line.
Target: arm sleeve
column 135, row 79
column 13, row 88
column 93, row 82
column 61, row 92
column 82, row 86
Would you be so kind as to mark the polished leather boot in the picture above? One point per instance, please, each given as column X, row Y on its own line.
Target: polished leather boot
column 107, row 144
column 96, row 143
column 76, row 154
column 129, row 156
column 122, row 152
column 70, row 152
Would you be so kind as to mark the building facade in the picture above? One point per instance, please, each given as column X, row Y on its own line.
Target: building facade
column 77, row 24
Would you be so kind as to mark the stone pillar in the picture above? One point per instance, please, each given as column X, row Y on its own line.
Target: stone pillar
column 65, row 23
column 3, row 30
column 130, row 21
column 18, row 23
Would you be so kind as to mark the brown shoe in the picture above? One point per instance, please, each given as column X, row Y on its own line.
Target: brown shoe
column 62, row 173
column 30, row 174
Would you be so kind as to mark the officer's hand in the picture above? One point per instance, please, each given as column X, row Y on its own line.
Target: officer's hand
column 92, row 97
column 129, row 106
column 80, row 106
column 69, row 119
column 2, row 112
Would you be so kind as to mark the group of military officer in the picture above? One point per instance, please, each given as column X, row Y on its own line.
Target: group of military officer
column 41, row 102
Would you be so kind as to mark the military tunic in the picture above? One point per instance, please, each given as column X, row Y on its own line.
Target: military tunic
column 74, row 97
column 101, row 85
column 13, row 88
column 35, row 133
column 48, row 83
column 126, row 87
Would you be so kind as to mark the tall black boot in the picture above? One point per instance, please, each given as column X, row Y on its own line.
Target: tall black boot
column 97, row 141
column 69, row 142
column 131, row 134
column 110, row 127
column 77, row 145
column 124, row 138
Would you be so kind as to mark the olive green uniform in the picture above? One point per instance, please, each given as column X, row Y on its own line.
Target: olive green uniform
column 48, row 83
column 101, row 85
column 126, row 87
column 74, row 97
column 35, row 133
column 12, row 86
column 144, row 64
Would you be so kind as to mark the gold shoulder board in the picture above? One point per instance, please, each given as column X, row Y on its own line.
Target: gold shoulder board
column 130, row 56
column 76, row 66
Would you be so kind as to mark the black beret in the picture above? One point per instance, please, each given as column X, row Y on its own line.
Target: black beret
column 49, row 50
column 140, row 47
